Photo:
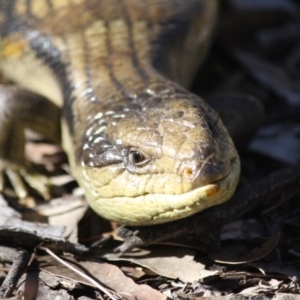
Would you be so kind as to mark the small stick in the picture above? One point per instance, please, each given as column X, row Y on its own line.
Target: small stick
column 91, row 280
column 20, row 260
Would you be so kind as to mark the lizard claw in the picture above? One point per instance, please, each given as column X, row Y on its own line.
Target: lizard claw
column 131, row 239
column 128, row 244
column 18, row 174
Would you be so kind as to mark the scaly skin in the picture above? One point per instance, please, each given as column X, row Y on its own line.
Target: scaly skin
column 145, row 150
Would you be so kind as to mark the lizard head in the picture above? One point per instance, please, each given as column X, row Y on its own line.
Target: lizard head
column 157, row 160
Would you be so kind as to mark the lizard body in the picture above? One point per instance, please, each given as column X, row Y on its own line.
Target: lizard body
column 144, row 149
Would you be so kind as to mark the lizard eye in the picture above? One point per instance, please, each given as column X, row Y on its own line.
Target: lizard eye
column 137, row 158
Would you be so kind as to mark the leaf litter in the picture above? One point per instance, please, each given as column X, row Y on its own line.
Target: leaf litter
column 259, row 56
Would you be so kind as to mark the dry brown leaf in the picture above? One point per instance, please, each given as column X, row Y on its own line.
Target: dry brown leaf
column 113, row 277
column 57, row 282
column 32, row 287
column 262, row 287
column 109, row 275
column 231, row 255
column 133, row 273
column 171, row 262
column 200, row 296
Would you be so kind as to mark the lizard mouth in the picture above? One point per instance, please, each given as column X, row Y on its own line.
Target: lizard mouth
column 150, row 209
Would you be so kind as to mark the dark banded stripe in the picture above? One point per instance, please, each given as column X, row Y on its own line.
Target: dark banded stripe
column 134, row 57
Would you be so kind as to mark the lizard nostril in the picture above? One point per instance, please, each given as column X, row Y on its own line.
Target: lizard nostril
column 188, row 173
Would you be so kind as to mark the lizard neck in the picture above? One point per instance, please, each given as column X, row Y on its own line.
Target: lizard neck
column 109, row 60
